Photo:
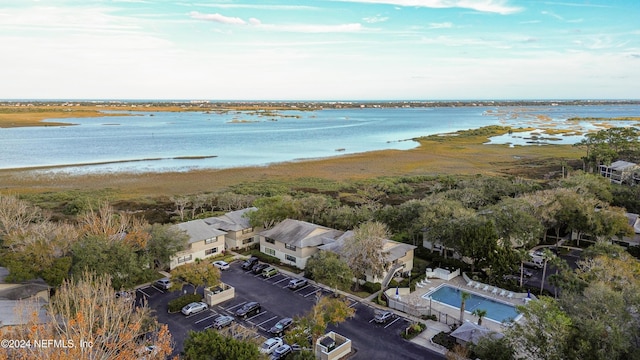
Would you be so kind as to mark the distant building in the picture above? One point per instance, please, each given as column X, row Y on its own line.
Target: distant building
column 620, row 172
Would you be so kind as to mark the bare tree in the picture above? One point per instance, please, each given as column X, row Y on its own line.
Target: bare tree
column 364, row 252
column 17, row 215
column 87, row 321
column 181, row 203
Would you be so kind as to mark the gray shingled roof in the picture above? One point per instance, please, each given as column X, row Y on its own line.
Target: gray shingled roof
column 301, row 233
column 395, row 250
column 199, row 230
column 231, row 221
column 470, row 332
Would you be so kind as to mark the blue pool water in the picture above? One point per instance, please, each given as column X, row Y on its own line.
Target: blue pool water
column 496, row 310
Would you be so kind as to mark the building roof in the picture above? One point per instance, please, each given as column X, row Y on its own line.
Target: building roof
column 394, row 250
column 470, row 332
column 199, row 230
column 622, row 165
column 301, row 233
column 231, row 221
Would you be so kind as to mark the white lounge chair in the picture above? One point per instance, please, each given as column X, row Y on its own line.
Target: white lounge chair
column 494, row 291
column 485, row 288
column 503, row 292
column 510, row 296
column 477, row 286
column 419, row 285
column 470, row 283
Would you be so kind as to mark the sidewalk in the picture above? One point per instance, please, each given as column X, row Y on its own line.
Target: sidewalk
column 424, row 338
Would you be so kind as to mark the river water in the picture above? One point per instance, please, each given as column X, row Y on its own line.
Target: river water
column 183, row 141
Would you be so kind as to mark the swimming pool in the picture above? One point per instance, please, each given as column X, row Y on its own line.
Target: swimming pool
column 496, row 310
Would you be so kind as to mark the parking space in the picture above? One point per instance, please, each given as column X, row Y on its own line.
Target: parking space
column 278, row 301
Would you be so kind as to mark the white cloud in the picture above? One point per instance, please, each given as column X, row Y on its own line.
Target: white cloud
column 442, row 25
column 311, row 28
column 375, row 19
column 491, row 6
column 217, row 18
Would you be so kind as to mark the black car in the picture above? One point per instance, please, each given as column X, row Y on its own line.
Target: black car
column 248, row 309
column 282, row 325
column 257, row 269
column 250, row 263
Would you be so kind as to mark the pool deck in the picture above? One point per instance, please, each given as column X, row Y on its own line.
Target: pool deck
column 459, row 282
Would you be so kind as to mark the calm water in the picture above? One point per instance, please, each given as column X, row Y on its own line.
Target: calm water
column 496, row 311
column 160, row 141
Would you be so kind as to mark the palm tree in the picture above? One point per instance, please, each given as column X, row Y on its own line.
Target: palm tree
column 464, row 296
column 480, row 313
column 546, row 255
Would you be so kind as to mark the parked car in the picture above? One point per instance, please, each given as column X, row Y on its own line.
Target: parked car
column 281, row 352
column 124, row 295
column 194, row 307
column 257, row 268
column 282, row 325
column 295, row 284
column 382, row 316
column 163, row 284
column 223, row 321
column 269, row 345
column 248, row 309
column 249, row 263
column 222, row 265
column 269, row 272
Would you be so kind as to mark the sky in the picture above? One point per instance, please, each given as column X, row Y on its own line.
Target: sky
column 320, row 49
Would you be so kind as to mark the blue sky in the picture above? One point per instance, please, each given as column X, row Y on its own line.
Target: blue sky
column 320, row 49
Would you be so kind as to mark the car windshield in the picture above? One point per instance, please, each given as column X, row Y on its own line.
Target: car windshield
column 266, row 345
column 278, row 326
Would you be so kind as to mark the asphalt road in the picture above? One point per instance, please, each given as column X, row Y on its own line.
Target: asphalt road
column 369, row 340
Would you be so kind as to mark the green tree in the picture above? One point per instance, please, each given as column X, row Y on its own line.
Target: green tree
column 106, row 257
column 464, row 296
column 209, row 344
column 327, row 268
column 544, row 332
column 272, row 210
column 480, row 313
column 477, row 240
column 494, row 349
column 314, row 324
column 165, row 242
column 197, row 273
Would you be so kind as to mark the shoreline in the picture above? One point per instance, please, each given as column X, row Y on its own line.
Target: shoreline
column 461, row 155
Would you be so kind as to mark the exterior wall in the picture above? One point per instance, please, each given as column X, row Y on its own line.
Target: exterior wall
column 228, row 293
column 342, row 349
column 198, row 250
column 236, row 239
column 279, row 250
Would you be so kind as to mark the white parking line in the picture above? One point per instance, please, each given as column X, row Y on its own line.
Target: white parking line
column 304, row 287
column 255, row 316
column 153, row 286
column 266, row 321
column 354, row 304
column 311, row 293
column 144, row 293
column 235, row 306
column 208, row 317
column 371, row 320
column 391, row 323
column 279, row 281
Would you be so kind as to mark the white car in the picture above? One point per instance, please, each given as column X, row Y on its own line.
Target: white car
column 270, row 345
column 222, row 265
column 194, row 307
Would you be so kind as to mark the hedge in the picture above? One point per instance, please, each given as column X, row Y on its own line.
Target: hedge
column 176, row 305
column 371, row 287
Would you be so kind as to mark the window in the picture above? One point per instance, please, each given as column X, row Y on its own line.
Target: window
column 247, row 241
column 211, row 251
column 246, row 231
column 290, row 247
column 290, row 258
column 182, row 259
column 209, row 241
column 270, row 240
column 269, row 251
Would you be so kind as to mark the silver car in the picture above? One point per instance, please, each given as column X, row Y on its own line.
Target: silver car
column 194, row 307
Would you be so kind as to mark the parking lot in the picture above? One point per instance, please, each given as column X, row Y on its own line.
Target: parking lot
column 369, row 338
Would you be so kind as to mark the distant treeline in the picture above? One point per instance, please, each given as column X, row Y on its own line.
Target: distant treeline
column 306, row 105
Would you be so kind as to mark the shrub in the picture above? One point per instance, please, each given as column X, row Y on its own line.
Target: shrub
column 264, row 257
column 413, row 330
column 371, row 287
column 445, row 340
column 177, row 304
